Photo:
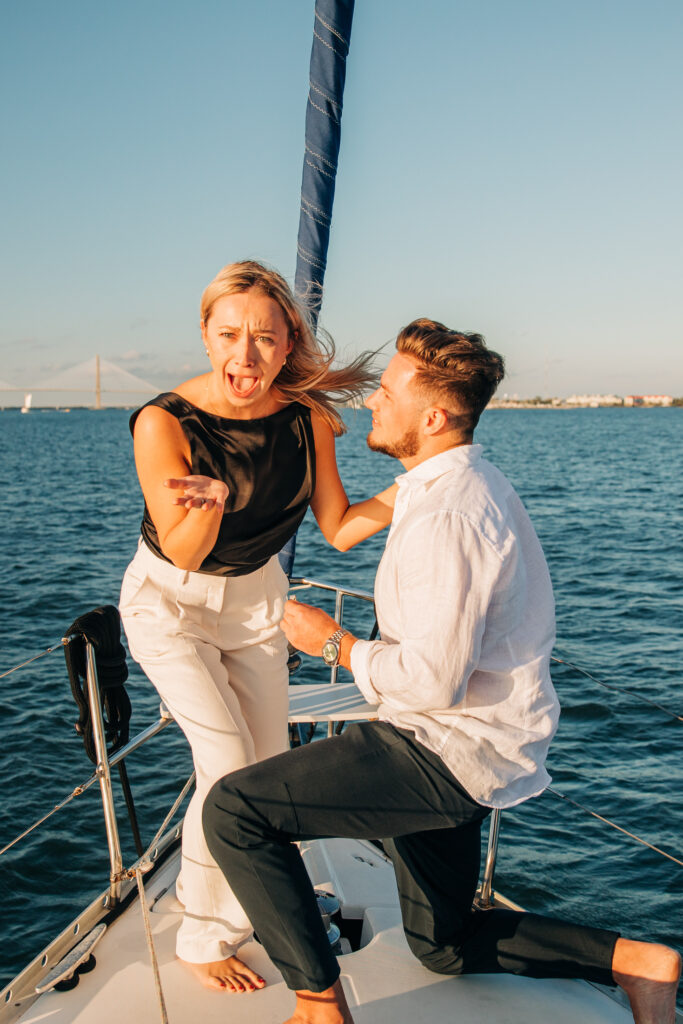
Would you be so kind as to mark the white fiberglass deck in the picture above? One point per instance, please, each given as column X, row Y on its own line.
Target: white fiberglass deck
column 383, row 981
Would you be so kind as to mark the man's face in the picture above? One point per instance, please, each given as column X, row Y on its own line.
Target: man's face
column 396, row 410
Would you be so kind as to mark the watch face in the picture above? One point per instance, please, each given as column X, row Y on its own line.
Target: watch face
column 330, row 652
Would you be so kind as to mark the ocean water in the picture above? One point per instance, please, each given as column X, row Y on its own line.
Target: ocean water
column 605, row 492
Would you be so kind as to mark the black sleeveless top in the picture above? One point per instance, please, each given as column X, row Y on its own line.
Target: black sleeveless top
column 269, row 467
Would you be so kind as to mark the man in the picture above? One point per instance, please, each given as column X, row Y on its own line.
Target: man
column 466, row 706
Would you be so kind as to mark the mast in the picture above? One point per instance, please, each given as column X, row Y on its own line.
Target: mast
column 331, row 38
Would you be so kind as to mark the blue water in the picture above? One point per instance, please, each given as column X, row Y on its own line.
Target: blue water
column 605, row 491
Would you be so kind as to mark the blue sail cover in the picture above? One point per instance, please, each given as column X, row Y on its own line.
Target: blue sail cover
column 331, row 37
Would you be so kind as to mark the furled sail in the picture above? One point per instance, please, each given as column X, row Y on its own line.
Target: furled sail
column 331, row 38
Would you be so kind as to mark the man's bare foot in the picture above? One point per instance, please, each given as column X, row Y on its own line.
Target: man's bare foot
column 328, row 1007
column 229, row 975
column 649, row 975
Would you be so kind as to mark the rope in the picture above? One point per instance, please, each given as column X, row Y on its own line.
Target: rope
column 150, row 945
column 619, row 689
column 142, row 865
column 55, row 647
column 101, row 628
column 613, row 824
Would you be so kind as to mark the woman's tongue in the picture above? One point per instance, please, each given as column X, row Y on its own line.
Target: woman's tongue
column 243, row 386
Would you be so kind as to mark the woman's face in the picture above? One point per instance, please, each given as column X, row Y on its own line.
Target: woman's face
column 247, row 339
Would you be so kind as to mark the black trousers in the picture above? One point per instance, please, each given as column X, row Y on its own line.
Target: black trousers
column 376, row 781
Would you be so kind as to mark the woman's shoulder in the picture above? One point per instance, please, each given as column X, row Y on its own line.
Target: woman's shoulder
column 168, row 402
column 194, row 391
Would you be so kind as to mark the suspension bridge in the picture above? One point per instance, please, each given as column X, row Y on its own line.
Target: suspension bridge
column 103, row 382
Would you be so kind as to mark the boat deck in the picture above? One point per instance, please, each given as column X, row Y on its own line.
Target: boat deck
column 383, row 981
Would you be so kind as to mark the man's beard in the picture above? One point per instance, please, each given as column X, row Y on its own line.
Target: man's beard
column 405, row 448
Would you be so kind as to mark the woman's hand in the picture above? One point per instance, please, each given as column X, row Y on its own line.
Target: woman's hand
column 199, row 492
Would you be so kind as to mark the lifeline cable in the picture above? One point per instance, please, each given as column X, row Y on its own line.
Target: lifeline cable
column 613, row 824
column 619, row 689
column 15, row 668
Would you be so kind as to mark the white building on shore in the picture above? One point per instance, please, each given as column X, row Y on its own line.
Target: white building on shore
column 648, row 400
column 594, row 401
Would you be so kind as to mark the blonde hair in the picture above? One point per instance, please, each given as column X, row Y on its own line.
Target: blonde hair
column 308, row 376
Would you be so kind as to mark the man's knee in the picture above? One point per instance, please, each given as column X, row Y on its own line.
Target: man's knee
column 243, row 809
column 446, row 959
column 443, row 962
column 222, row 812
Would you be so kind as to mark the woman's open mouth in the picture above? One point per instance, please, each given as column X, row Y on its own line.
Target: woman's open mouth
column 242, row 387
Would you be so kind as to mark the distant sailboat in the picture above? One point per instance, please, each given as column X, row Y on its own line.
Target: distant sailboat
column 28, row 398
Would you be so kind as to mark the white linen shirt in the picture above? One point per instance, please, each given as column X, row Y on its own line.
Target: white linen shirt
column 467, row 624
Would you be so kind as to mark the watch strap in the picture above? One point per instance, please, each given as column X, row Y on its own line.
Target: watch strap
column 335, row 641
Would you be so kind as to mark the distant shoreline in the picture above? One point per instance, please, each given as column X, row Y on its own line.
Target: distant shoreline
column 564, row 406
column 493, row 406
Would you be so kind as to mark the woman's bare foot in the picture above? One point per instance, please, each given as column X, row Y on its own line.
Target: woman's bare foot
column 229, row 975
column 328, row 1007
column 649, row 975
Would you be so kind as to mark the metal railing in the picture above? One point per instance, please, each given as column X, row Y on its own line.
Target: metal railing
column 303, row 583
column 103, row 772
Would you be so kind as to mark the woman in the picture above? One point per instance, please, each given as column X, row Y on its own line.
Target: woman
column 244, row 449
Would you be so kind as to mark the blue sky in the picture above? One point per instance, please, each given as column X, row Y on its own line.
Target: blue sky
column 511, row 168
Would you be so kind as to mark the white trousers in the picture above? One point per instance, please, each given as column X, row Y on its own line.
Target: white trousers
column 213, row 648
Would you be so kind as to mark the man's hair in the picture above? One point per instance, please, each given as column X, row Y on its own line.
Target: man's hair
column 456, row 368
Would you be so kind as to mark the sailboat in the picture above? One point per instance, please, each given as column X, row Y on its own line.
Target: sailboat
column 116, row 959
column 28, row 400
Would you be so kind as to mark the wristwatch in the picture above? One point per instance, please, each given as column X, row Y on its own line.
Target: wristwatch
column 331, row 648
